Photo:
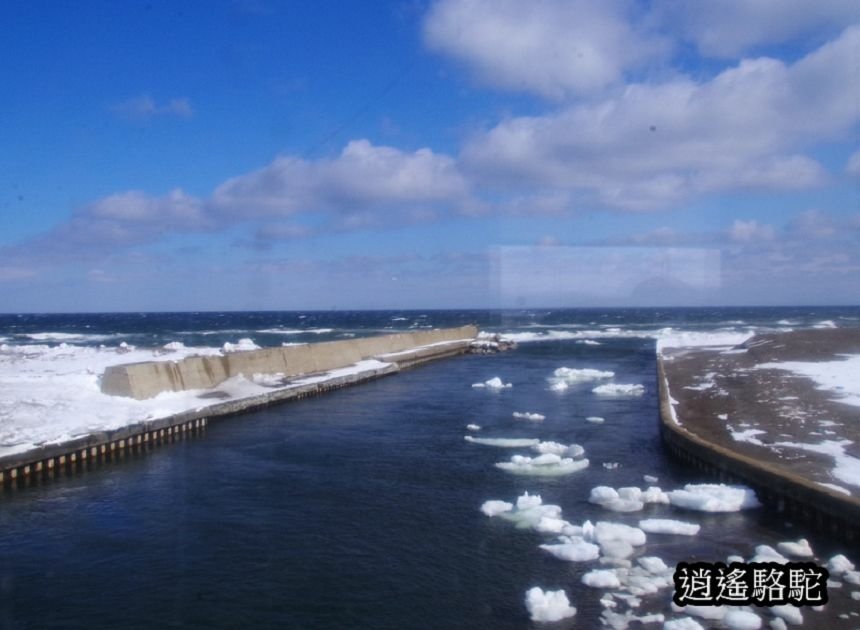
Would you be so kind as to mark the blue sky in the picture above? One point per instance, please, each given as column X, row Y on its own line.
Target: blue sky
column 284, row 155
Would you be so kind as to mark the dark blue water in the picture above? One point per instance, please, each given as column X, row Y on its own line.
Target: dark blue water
column 358, row 509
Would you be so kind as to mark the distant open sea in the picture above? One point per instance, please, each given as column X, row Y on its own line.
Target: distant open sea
column 361, row 508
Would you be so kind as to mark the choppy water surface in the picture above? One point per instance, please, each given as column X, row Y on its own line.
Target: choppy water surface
column 356, row 509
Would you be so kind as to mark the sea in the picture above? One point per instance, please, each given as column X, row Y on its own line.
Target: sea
column 361, row 508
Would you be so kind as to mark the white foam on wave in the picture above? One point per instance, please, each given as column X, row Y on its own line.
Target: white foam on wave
column 707, row 497
column 503, row 442
column 242, row 345
column 494, row 383
column 619, row 389
column 295, row 331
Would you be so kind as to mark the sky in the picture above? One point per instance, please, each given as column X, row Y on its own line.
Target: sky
column 254, row 155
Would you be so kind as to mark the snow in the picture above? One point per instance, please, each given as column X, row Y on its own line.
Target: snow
column 618, row 389
column 714, row 498
column 838, row 377
column 694, row 339
column 494, row 383
column 847, row 467
column 546, row 606
column 547, row 464
column 525, row 415
column 503, row 442
column 748, row 435
column 668, row 526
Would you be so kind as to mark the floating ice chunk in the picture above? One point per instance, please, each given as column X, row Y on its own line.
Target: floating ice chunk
column 546, row 606
column 778, row 624
column 241, row 346
column 575, row 549
column 708, row 497
column 473, row 427
column 789, row 613
column 493, row 383
column 734, row 558
column 595, row 419
column 574, row 450
column 742, row 620
column 653, row 565
column 653, row 494
column 558, row 386
column 705, row 612
column 684, row 623
column 503, row 442
column 766, row 553
column 548, row 464
column 799, row 549
column 610, row 465
column 525, row 415
column 571, row 375
column 852, row 577
column 619, row 389
column 611, row 499
column 551, row 525
column 606, row 531
column 650, row 479
column 526, row 501
column 839, row 564
column 588, row 342
column 494, row 507
column 668, row 526
column 601, row 578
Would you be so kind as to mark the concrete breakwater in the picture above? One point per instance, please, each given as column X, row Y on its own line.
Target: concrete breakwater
column 308, row 364
column 732, row 414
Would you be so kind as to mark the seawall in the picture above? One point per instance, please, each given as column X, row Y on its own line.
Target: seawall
column 777, row 486
column 145, row 380
column 101, row 447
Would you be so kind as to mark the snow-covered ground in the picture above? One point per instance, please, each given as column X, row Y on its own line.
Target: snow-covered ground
column 51, row 393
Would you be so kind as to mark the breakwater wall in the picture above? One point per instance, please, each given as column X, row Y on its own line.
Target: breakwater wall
column 776, row 487
column 145, row 380
column 103, row 447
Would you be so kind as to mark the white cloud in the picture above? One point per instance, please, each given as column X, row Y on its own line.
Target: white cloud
column 656, row 145
column 363, row 179
column 729, row 28
column 852, row 167
column 750, row 231
column 145, row 107
column 555, row 48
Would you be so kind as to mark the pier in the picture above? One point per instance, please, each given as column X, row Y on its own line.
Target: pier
column 722, row 413
column 303, row 368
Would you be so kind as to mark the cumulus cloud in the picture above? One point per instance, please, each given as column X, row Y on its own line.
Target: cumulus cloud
column 729, row 28
column 554, row 48
column 751, row 231
column 145, row 107
column 655, row 145
column 363, row 178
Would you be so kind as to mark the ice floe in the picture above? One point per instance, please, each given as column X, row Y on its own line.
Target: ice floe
column 708, row 497
column 473, row 427
column 525, row 415
column 742, row 620
column 798, row 549
column 493, row 383
column 503, row 442
column 668, row 526
column 595, row 419
column 619, row 389
column 629, row 499
column 571, row 450
column 545, row 606
column 547, row 464
column 839, row 564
